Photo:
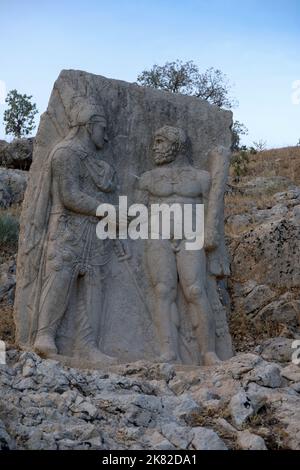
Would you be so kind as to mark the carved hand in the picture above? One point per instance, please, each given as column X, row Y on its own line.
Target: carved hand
column 211, row 239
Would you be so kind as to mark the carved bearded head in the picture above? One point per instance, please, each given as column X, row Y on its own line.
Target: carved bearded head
column 168, row 142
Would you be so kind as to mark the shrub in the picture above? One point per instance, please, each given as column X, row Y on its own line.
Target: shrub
column 239, row 163
column 9, row 231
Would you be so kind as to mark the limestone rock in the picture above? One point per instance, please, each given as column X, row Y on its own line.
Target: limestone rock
column 296, row 214
column 258, row 297
column 239, row 222
column 292, row 196
column 274, row 257
column 267, row 375
column 155, row 440
column 6, row 442
column 207, row 439
column 180, row 436
column 12, row 186
column 245, row 404
column 248, row 441
column 277, row 349
column 296, row 387
column 276, row 212
column 291, row 372
column 240, row 408
column 187, row 409
column 8, row 280
column 17, row 154
column 45, row 405
column 283, row 311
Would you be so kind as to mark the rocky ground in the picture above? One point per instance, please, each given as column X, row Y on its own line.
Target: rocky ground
column 245, row 403
column 249, row 402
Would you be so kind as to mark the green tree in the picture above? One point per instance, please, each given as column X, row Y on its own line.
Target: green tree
column 211, row 85
column 19, row 116
column 238, row 129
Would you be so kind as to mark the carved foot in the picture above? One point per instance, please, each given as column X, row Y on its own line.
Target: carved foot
column 45, row 345
column 211, row 359
column 93, row 354
column 168, row 357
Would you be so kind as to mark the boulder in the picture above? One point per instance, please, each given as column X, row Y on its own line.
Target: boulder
column 207, row 439
column 258, row 297
column 6, row 442
column 243, row 405
column 267, row 375
column 277, row 349
column 283, row 310
column 16, row 154
column 12, row 186
column 8, row 281
column 249, row 441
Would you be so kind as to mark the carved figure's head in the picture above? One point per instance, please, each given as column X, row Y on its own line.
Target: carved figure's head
column 168, row 142
column 91, row 116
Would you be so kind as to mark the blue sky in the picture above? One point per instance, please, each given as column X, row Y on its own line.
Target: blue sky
column 256, row 43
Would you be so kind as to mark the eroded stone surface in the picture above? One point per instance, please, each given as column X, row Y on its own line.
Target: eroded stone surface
column 80, row 296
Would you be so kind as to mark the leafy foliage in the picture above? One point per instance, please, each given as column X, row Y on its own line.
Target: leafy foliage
column 211, row 85
column 240, row 160
column 177, row 77
column 19, row 116
column 238, row 129
column 214, row 87
column 9, row 231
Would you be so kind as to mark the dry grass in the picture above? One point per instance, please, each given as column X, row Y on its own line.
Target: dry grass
column 239, row 203
column 247, row 332
column 9, row 231
column 7, row 326
column 266, row 425
column 276, row 162
column 207, row 418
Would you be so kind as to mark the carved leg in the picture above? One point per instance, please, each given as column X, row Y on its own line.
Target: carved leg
column 53, row 304
column 192, row 277
column 163, row 275
column 86, row 344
